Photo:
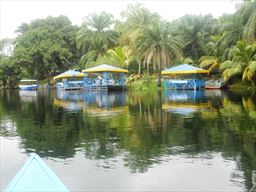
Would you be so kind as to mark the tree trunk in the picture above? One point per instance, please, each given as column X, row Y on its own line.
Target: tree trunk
column 139, row 70
column 4, row 83
column 253, row 84
column 160, row 115
column 159, row 67
column 159, row 79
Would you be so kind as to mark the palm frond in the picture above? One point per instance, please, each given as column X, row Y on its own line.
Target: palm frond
column 226, row 65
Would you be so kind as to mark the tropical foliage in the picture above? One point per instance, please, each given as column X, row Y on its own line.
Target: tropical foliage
column 45, row 46
column 159, row 47
column 95, row 37
column 141, row 41
column 242, row 62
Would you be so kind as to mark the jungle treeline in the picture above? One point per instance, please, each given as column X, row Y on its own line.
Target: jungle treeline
column 141, row 41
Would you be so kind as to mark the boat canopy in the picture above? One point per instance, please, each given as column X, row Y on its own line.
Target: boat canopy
column 105, row 68
column 184, row 69
column 69, row 73
column 28, row 80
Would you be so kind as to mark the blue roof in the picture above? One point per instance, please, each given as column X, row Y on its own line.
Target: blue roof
column 35, row 176
column 184, row 69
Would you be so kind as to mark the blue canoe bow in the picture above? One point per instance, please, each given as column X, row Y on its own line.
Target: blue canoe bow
column 35, row 176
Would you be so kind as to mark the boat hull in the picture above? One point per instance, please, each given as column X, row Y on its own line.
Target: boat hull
column 28, row 87
column 212, row 84
column 35, row 176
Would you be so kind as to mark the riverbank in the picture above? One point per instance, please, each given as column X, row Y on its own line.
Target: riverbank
column 149, row 83
column 241, row 85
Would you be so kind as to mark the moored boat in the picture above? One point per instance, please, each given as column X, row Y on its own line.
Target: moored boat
column 35, row 176
column 214, row 84
column 28, row 84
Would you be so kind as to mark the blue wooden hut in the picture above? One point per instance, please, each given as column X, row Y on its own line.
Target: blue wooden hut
column 183, row 77
column 69, row 80
column 104, row 77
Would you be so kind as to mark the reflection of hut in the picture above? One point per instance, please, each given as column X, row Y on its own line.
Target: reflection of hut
column 72, row 95
column 104, row 77
column 185, row 102
column 183, row 77
column 185, row 108
column 104, row 104
column 28, row 96
column 69, row 80
column 99, row 112
column 69, row 106
column 184, row 96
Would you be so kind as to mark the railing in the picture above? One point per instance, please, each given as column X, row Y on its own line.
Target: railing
column 73, row 85
column 102, row 82
column 184, row 84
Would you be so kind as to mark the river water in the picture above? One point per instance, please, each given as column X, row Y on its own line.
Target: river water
column 133, row 141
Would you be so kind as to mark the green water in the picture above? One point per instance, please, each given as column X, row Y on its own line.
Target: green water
column 133, row 141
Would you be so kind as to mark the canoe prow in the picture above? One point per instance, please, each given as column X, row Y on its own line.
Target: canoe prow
column 35, row 176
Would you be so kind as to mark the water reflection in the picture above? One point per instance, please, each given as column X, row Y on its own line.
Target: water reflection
column 141, row 134
column 7, row 126
column 104, row 104
column 187, row 102
column 28, row 95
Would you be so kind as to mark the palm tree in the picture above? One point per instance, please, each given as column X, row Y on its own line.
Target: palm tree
column 214, row 50
column 121, row 54
column 230, row 29
column 159, row 46
column 95, row 37
column 242, row 63
column 137, row 19
column 195, row 30
column 247, row 10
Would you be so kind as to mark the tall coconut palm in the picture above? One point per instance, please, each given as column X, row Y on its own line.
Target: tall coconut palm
column 230, row 29
column 195, row 30
column 137, row 19
column 242, row 63
column 159, row 46
column 95, row 37
column 248, row 10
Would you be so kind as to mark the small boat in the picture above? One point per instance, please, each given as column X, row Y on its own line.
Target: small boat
column 28, row 84
column 214, row 84
column 35, row 176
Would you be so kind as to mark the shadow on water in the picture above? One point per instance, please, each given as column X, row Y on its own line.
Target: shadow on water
column 143, row 128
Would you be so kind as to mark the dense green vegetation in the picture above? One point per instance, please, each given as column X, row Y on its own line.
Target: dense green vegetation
column 141, row 42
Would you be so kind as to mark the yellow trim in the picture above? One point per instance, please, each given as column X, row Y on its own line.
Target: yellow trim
column 184, row 72
column 101, row 112
column 105, row 70
column 67, row 76
column 191, row 106
column 92, row 110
